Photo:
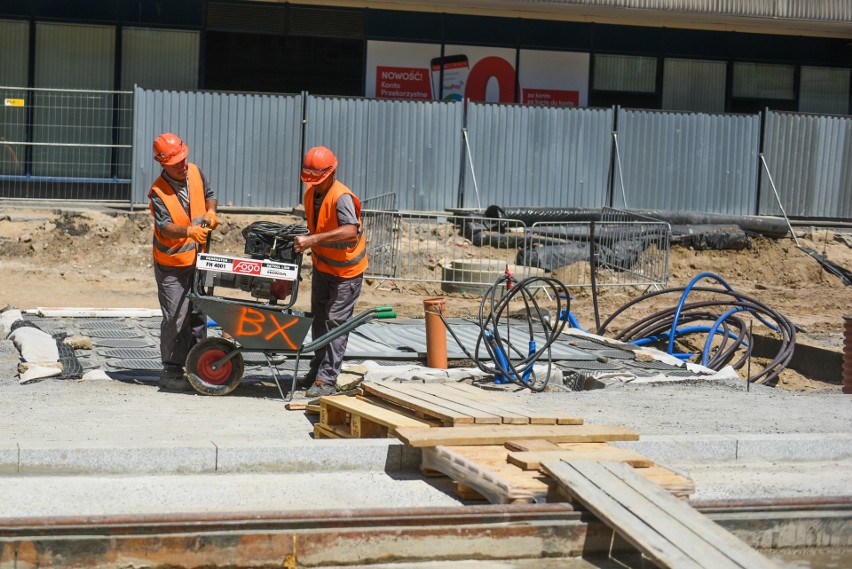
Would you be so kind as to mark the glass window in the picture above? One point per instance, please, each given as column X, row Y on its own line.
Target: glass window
column 73, row 123
column 14, row 42
column 625, row 73
column 693, row 85
column 824, row 90
column 159, row 59
column 763, row 81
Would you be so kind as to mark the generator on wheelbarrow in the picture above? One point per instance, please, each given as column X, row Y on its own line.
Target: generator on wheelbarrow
column 261, row 318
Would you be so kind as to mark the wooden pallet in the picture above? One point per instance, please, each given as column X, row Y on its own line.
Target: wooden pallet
column 456, row 404
column 487, row 471
column 342, row 416
column 665, row 530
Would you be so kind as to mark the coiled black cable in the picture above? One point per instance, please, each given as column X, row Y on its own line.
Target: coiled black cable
column 510, row 361
column 736, row 336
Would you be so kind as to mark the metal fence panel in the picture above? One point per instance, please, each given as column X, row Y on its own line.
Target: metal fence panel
column 537, row 156
column 411, row 148
column 629, row 250
column 463, row 254
column 65, row 144
column 687, row 161
column 810, row 160
column 247, row 145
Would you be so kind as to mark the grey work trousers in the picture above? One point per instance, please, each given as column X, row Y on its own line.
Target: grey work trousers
column 333, row 301
column 184, row 325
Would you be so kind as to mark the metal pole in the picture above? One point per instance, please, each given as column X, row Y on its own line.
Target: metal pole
column 778, row 198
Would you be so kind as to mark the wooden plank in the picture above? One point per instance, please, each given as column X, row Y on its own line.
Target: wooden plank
column 532, row 460
column 532, row 445
column 422, row 397
column 296, row 405
column 645, row 516
column 431, row 421
column 322, row 432
column 447, row 416
column 367, row 410
column 617, row 516
column 490, row 435
column 495, row 486
column 445, row 393
column 536, row 417
column 729, row 544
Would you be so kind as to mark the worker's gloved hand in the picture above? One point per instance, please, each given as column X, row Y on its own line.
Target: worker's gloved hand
column 211, row 219
column 198, row 234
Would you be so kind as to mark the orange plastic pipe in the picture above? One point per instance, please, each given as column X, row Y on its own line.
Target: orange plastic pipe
column 436, row 333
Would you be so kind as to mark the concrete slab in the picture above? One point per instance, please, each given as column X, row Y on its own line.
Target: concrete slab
column 108, row 457
column 325, row 455
column 667, row 449
column 794, row 447
column 9, row 455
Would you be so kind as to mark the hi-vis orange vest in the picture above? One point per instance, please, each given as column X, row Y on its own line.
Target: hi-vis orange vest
column 178, row 252
column 346, row 259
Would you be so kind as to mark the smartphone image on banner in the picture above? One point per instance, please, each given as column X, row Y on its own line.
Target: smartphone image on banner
column 455, row 76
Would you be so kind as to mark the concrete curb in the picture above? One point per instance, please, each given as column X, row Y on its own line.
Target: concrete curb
column 362, row 455
column 372, row 455
column 792, row 447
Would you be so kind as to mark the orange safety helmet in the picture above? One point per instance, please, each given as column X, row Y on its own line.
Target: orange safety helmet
column 169, row 149
column 318, row 165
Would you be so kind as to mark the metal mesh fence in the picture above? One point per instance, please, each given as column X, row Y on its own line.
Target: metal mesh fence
column 66, row 144
column 463, row 254
column 623, row 249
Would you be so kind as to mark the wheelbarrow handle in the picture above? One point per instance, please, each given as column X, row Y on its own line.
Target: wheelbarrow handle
column 348, row 326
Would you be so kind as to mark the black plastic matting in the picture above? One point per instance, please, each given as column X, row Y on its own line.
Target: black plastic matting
column 589, row 365
column 129, row 353
column 135, row 364
column 123, row 343
column 103, row 325
column 615, row 354
column 116, row 334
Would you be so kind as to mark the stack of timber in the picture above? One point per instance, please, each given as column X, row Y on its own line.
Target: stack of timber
column 378, row 410
column 490, row 445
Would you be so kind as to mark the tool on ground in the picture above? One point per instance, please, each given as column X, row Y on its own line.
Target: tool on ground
column 261, row 317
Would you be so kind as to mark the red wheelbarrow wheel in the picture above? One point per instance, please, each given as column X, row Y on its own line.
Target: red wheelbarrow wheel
column 207, row 379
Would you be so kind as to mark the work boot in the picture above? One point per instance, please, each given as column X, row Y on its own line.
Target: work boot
column 305, row 382
column 172, row 379
column 320, row 389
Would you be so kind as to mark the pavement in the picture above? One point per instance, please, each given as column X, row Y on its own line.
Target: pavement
column 118, row 445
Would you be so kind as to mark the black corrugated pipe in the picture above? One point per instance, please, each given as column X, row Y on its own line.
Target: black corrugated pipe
column 768, row 226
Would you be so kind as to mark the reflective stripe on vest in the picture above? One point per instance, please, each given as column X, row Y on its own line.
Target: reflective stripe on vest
column 178, row 251
column 344, row 259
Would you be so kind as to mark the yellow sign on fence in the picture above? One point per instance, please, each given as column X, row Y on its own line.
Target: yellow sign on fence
column 14, row 102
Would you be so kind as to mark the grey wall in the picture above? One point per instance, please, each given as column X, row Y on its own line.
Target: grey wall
column 250, row 147
column 810, row 160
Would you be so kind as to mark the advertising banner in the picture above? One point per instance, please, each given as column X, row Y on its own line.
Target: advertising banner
column 398, row 70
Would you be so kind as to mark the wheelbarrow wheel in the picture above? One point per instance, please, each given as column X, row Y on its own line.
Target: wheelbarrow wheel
column 200, row 367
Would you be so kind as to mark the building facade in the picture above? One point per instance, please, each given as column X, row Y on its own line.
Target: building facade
column 698, row 55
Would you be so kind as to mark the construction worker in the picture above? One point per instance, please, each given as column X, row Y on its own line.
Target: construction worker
column 339, row 255
column 184, row 210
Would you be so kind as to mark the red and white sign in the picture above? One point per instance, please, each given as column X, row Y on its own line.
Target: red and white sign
column 403, row 83
column 550, row 97
column 397, row 70
column 240, row 266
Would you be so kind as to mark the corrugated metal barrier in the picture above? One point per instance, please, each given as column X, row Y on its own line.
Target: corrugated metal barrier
column 73, row 144
column 523, row 156
column 248, row 146
column 810, row 159
column 688, row 161
column 411, row 148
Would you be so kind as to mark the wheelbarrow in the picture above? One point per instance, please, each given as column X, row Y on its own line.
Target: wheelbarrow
column 266, row 323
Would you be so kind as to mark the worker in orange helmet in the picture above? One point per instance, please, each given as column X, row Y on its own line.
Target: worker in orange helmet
column 339, row 255
column 184, row 210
